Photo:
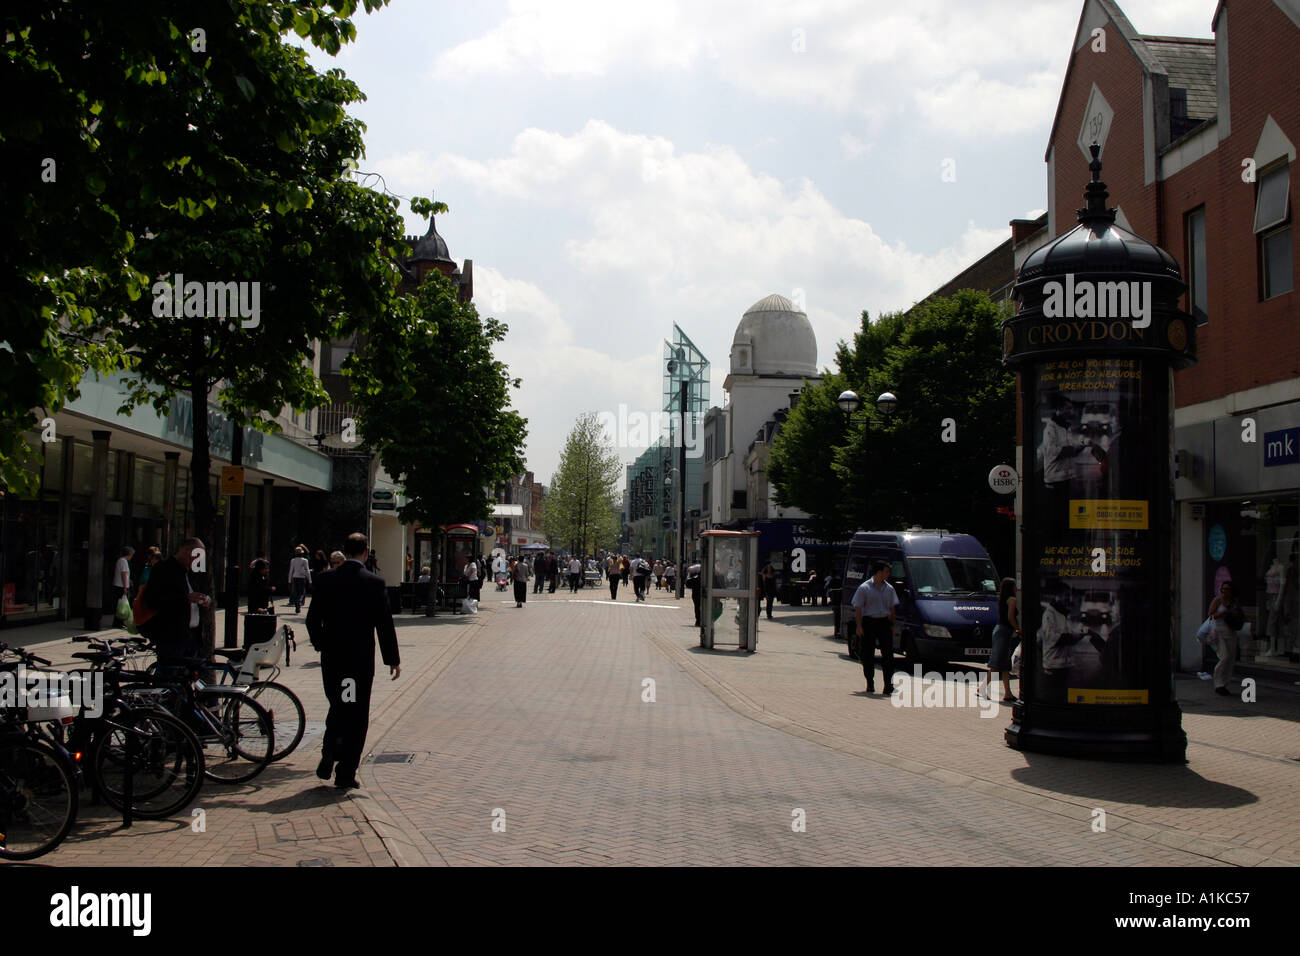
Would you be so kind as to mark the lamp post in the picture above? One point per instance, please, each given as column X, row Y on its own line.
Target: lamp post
column 850, row 403
column 688, row 367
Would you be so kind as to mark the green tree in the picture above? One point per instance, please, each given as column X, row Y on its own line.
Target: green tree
column 435, row 404
column 580, row 511
column 944, row 362
column 119, row 126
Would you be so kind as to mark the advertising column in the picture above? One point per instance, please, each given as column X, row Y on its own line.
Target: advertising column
column 1095, row 340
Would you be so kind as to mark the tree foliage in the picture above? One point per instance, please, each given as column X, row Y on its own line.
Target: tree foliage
column 580, row 510
column 435, row 404
column 189, row 139
column 944, row 362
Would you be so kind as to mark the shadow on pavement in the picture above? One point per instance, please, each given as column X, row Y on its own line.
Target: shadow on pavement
column 1131, row 783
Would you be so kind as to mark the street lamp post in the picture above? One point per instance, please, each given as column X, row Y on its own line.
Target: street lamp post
column 850, row 403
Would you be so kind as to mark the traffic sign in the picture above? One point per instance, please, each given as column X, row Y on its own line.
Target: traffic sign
column 232, row 480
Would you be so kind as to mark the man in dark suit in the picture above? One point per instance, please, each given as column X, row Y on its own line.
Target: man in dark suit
column 348, row 606
column 176, row 623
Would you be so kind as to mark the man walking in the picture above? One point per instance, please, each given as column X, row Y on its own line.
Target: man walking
column 876, row 601
column 539, row 572
column 299, row 578
column 349, row 605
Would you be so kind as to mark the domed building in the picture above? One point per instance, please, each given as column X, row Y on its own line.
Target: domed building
column 773, row 352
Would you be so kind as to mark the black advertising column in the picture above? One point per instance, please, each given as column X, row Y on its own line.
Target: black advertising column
column 1096, row 338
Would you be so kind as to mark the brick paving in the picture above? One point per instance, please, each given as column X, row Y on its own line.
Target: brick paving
column 534, row 718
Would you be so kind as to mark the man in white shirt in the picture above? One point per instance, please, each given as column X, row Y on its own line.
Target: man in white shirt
column 575, row 574
column 472, row 579
column 875, row 603
column 122, row 578
column 299, row 578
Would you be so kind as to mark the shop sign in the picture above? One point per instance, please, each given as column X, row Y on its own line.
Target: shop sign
column 1282, row 447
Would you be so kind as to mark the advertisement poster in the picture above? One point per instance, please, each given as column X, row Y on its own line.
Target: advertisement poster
column 1092, row 501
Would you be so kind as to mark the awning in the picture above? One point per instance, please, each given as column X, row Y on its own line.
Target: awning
column 507, row 511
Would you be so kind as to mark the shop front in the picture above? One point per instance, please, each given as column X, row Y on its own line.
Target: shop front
column 1239, row 510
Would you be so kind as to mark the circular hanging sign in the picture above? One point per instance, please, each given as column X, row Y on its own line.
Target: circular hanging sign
column 1003, row 479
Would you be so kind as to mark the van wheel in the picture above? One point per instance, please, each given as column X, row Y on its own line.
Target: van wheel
column 914, row 657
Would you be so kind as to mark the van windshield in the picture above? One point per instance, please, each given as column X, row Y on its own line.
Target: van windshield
column 965, row 576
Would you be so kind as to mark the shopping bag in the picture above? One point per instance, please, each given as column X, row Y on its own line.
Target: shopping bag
column 1015, row 662
column 1205, row 630
column 123, row 608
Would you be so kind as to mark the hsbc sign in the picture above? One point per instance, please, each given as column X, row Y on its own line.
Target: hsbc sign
column 1003, row 479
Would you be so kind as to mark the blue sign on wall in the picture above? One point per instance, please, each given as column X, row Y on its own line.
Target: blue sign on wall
column 1217, row 541
column 1282, row 447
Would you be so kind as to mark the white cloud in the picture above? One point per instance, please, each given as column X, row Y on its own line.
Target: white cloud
column 854, row 147
column 664, row 235
column 970, row 67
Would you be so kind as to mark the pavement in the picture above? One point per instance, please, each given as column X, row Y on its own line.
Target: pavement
column 579, row 731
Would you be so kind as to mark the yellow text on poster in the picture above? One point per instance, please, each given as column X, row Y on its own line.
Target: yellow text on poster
column 1089, row 695
column 1106, row 514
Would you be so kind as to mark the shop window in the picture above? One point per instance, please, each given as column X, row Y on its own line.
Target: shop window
column 1273, row 227
column 1197, row 285
column 83, row 469
column 52, row 482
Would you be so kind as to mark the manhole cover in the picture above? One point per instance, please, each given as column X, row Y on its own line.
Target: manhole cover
column 315, row 863
column 393, row 758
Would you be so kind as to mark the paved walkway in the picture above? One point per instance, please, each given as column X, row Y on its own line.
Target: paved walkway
column 523, row 736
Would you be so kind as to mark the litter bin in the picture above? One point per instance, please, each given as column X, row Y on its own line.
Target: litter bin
column 258, row 628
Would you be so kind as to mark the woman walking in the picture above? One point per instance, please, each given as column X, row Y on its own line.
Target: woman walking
column 519, row 574
column 1005, row 636
column 1228, row 620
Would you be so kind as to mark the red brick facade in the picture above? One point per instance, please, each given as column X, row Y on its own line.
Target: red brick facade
column 1246, row 342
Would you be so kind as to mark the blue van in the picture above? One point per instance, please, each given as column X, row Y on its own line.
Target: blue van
column 947, row 590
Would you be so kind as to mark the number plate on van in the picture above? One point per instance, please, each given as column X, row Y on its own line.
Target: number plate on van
column 977, row 652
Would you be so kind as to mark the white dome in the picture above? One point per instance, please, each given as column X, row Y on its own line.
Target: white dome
column 774, row 338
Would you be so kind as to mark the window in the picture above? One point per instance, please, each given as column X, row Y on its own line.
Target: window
column 1197, row 286
column 1273, row 226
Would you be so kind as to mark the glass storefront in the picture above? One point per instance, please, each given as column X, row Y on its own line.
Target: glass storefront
column 1255, row 543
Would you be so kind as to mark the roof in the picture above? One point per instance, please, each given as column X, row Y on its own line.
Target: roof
column 1190, row 63
column 774, row 303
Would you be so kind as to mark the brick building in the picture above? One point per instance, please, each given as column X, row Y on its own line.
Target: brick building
column 1198, row 149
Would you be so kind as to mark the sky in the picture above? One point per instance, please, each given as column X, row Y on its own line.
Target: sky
column 613, row 168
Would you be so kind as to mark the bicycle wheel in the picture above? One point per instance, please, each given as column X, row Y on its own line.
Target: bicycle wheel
column 38, row 799
column 166, row 763
column 240, row 738
column 286, row 712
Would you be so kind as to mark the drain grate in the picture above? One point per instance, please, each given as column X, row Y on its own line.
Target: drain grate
column 392, row 758
column 315, row 863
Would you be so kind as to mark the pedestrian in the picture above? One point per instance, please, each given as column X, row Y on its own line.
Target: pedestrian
column 519, row 574
column 575, row 574
column 768, row 581
column 1005, row 637
column 472, row 581
column 350, row 605
column 336, row 559
column 299, row 578
column 670, row 578
column 1228, row 619
column 624, row 568
column 319, row 562
column 552, row 573
column 122, row 579
column 613, row 587
column 410, row 563
column 693, row 585
column 175, row 624
column 152, row 557
column 372, row 563
column 259, row 587
column 875, row 604
column 659, row 574
column 640, row 576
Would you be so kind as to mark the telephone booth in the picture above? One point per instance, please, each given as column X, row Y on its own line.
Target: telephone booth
column 729, row 590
